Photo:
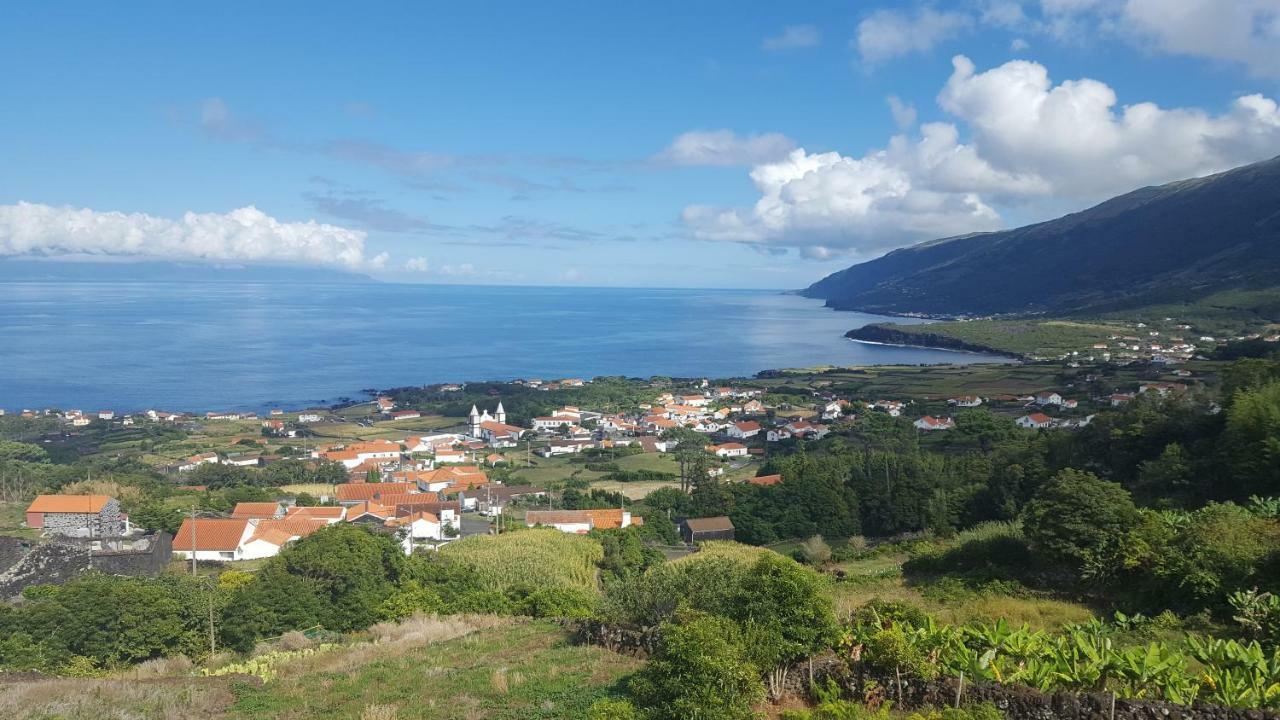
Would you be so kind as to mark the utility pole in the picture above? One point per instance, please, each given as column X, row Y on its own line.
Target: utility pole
column 193, row 539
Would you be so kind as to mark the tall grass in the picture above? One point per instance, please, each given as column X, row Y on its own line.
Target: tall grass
column 535, row 558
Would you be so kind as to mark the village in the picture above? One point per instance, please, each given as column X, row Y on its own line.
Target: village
column 427, row 480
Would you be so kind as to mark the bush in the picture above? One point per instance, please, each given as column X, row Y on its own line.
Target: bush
column 701, row 671
column 1081, row 521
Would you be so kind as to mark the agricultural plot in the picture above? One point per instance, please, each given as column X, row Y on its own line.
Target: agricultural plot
column 530, row 558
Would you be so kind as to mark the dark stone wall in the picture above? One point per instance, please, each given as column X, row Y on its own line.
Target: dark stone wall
column 57, row 560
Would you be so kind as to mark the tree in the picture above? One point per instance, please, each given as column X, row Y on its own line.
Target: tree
column 786, row 614
column 1166, row 476
column 1252, row 441
column 352, row 570
column 700, row 672
column 155, row 516
column 1219, row 549
column 1082, row 521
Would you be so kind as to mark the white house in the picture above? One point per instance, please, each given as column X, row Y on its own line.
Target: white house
column 243, row 461
column 777, row 434
column 728, row 450
column 832, row 411
column 1034, row 421
column 966, row 401
column 551, row 423
column 196, row 461
column 930, row 423
column 743, row 430
column 1047, row 398
column 309, row 418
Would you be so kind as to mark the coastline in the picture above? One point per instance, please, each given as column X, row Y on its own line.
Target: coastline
column 877, row 334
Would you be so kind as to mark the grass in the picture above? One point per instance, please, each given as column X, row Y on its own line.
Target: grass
column 517, row 671
column 314, row 489
column 12, row 519
column 454, row 668
column 880, row 577
column 535, row 558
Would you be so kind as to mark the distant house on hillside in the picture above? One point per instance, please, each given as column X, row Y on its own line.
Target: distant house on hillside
column 1047, row 397
column 728, row 450
column 1034, row 421
column 928, row 423
column 579, row 521
column 743, row 430
column 696, row 530
column 965, row 401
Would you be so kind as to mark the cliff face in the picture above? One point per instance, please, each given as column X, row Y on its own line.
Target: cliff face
column 894, row 336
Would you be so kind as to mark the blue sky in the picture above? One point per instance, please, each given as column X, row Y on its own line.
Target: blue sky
column 706, row 144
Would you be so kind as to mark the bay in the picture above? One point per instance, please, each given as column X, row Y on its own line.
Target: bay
column 129, row 346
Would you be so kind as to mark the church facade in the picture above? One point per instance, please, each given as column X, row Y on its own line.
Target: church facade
column 493, row 428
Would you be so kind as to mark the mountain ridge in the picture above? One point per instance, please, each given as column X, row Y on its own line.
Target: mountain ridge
column 1181, row 240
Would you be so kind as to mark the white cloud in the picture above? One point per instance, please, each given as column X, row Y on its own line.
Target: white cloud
column 460, row 270
column 887, row 34
column 418, row 264
column 1027, row 138
column 904, row 114
column 1244, row 31
column 725, row 147
column 792, row 37
column 1019, row 45
column 1072, row 137
column 246, row 234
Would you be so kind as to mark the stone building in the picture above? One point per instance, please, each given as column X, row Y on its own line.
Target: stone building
column 76, row 515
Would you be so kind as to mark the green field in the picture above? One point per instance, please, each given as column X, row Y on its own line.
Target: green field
column 12, row 517
column 445, row 669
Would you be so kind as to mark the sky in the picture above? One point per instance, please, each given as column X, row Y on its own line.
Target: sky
column 718, row 143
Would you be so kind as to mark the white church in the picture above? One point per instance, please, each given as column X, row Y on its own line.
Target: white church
column 493, row 429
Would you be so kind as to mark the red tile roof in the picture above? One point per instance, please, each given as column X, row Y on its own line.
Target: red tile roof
column 68, row 503
column 255, row 510
column 217, row 534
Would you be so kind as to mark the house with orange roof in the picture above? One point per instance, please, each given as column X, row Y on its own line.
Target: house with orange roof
column 195, row 461
column 743, row 429
column 329, row 515
column 352, row 493
column 370, row 512
column 76, row 515
column 930, row 423
column 256, row 510
column 728, row 450
column 578, row 522
column 212, row 538
column 1034, row 421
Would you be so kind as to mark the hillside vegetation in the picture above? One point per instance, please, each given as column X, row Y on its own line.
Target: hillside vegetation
column 1174, row 243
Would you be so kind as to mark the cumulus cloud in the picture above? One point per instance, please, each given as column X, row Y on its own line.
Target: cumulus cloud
column 886, row 34
column 904, row 114
column 1244, row 31
column 418, row 264
column 793, row 37
column 246, row 234
column 725, row 147
column 1026, row 138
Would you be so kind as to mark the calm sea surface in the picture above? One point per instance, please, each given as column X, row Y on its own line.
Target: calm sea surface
column 184, row 346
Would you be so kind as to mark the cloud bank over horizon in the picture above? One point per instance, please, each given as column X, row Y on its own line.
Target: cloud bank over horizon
column 1025, row 139
column 244, row 235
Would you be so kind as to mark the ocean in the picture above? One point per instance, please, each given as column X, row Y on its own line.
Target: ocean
column 249, row 346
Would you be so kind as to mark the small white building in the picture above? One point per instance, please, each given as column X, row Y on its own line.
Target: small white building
column 1034, row 421
column 743, row 429
column 929, row 423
